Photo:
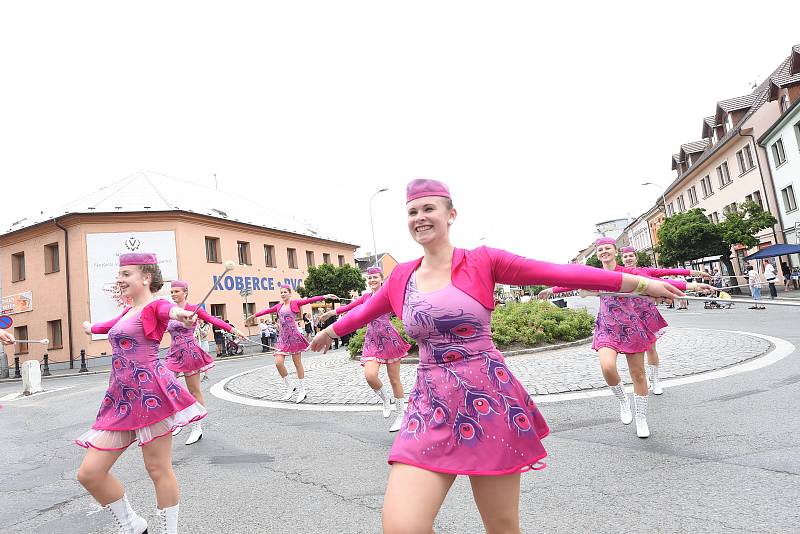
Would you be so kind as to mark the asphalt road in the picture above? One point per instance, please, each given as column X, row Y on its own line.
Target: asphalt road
column 723, row 457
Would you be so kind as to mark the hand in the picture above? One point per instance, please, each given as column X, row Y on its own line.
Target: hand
column 238, row 333
column 321, row 342
column 6, row 338
column 702, row 274
column 662, row 290
column 583, row 293
column 544, row 294
column 331, row 296
column 184, row 316
column 705, row 289
column 327, row 315
column 87, row 327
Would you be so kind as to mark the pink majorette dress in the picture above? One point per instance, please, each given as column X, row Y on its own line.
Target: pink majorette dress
column 144, row 400
column 290, row 339
column 382, row 343
column 185, row 355
column 646, row 308
column 467, row 413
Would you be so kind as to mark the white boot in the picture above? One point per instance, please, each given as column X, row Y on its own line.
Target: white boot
column 177, row 430
column 387, row 403
column 642, row 430
column 401, row 409
column 196, row 434
column 168, row 520
column 289, row 388
column 655, row 386
column 625, row 414
column 127, row 520
column 301, row 394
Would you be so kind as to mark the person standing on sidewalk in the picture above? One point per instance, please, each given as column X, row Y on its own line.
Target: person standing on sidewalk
column 264, row 330
column 754, row 282
column 769, row 274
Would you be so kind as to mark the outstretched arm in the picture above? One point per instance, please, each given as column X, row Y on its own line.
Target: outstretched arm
column 347, row 307
column 268, row 310
column 207, row 317
column 105, row 326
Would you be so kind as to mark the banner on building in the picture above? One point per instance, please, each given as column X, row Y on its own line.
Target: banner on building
column 102, row 258
column 18, row 303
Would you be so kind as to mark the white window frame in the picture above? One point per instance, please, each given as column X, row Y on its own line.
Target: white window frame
column 789, row 200
column 778, row 152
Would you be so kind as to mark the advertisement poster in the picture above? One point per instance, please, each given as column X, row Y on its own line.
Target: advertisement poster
column 19, row 303
column 102, row 255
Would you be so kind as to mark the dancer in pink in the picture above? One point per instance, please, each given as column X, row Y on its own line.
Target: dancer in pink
column 290, row 339
column 624, row 326
column 185, row 356
column 143, row 402
column 382, row 345
column 649, row 310
column 467, row 413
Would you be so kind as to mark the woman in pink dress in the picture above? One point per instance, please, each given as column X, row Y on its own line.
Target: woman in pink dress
column 290, row 340
column 648, row 308
column 143, row 402
column 382, row 345
column 185, row 356
column 625, row 326
column 467, row 413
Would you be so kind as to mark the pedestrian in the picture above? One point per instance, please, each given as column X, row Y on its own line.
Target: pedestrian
column 219, row 340
column 185, row 357
column 264, row 331
column 383, row 345
column 716, row 281
column 201, row 334
column 467, row 414
column 273, row 332
column 308, row 327
column 625, row 326
column 787, row 275
column 754, row 282
column 796, row 277
column 143, row 401
column 770, row 276
column 291, row 341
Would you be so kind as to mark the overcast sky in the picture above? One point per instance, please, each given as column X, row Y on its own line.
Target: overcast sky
column 543, row 118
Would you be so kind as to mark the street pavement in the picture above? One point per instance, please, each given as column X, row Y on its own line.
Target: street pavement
column 723, row 455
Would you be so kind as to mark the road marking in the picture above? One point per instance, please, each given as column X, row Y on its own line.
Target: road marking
column 11, row 397
column 782, row 349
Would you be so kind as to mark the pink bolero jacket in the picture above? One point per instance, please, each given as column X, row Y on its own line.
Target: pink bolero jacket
column 475, row 272
column 294, row 305
column 155, row 317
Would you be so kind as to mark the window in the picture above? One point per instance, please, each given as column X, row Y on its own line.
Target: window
column 243, row 248
column 18, row 267
column 269, row 256
column 748, row 157
column 797, row 133
column 755, row 197
column 291, row 255
column 706, row 184
column 723, row 174
column 713, row 218
column 310, row 258
column 714, row 136
column 730, row 208
column 248, row 309
column 745, row 159
column 212, row 250
column 218, row 311
column 21, row 332
column 789, row 202
column 341, row 260
column 670, row 210
column 692, row 196
column 51, row 258
column 326, row 258
column 681, row 204
column 728, row 122
column 785, row 103
column 778, row 153
column 54, row 334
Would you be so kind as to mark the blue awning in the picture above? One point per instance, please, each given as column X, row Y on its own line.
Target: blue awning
column 775, row 250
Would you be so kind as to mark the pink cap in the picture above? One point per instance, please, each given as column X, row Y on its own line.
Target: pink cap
column 606, row 241
column 627, row 249
column 375, row 270
column 422, row 187
column 179, row 283
column 137, row 258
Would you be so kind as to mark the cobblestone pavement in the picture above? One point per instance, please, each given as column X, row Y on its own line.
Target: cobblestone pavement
column 336, row 379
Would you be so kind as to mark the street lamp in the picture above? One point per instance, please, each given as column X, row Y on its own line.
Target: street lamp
column 372, row 225
column 663, row 199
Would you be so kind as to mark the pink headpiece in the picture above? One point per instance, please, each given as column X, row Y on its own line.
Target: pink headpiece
column 605, row 241
column 625, row 250
column 137, row 258
column 375, row 270
column 179, row 283
column 422, row 187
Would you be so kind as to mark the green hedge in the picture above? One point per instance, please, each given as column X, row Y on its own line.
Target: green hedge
column 523, row 324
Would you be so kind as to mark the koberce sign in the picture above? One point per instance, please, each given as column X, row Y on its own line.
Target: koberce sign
column 256, row 283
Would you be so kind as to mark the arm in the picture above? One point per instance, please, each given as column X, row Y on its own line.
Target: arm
column 659, row 273
column 376, row 306
column 105, row 326
column 268, row 310
column 208, row 318
column 347, row 307
column 303, row 302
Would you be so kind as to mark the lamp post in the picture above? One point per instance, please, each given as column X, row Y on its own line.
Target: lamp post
column 372, row 225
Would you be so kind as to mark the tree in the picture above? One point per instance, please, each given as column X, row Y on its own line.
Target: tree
column 741, row 226
column 592, row 261
column 326, row 279
column 643, row 259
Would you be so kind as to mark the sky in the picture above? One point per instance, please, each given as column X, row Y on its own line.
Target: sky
column 542, row 119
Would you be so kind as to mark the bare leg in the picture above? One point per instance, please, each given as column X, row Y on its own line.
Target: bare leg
column 394, row 379
column 158, row 460
column 636, row 368
column 608, row 364
column 193, row 383
column 413, row 498
column 298, row 364
column 279, row 359
column 93, row 474
column 371, row 374
column 497, row 498
column 652, row 355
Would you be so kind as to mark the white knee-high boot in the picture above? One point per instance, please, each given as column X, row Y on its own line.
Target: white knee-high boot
column 401, row 409
column 640, row 402
column 168, row 520
column 289, row 388
column 128, row 521
column 655, row 386
column 625, row 414
column 301, row 394
column 195, row 434
column 387, row 403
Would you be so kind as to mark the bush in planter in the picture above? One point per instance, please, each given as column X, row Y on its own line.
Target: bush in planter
column 538, row 322
column 357, row 340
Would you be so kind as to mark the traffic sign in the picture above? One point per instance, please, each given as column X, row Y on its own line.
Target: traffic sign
column 6, row 321
column 246, row 292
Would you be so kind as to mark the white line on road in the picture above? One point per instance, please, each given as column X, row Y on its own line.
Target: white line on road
column 782, row 349
column 11, row 397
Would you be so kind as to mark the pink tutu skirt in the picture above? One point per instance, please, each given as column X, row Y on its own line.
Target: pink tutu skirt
column 622, row 326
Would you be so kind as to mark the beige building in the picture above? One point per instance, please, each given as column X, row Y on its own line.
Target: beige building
column 59, row 268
